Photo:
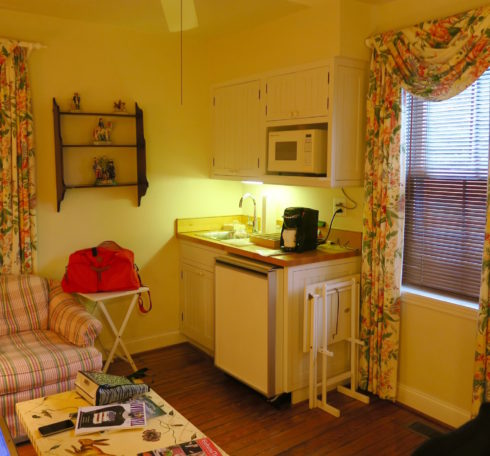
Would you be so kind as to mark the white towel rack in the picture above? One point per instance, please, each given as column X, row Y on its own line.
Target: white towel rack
column 319, row 315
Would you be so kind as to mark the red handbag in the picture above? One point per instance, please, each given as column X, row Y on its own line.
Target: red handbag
column 107, row 267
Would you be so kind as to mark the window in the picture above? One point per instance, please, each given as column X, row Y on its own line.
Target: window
column 446, row 148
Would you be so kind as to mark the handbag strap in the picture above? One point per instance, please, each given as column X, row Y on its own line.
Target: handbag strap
column 141, row 303
column 110, row 245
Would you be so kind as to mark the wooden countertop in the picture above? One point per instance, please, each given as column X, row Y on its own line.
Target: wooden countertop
column 263, row 254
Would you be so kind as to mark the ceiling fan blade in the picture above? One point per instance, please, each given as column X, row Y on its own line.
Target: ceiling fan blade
column 171, row 9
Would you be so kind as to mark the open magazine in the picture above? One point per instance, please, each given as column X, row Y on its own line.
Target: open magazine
column 110, row 417
column 197, row 447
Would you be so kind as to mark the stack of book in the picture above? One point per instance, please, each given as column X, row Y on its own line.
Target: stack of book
column 98, row 388
column 110, row 417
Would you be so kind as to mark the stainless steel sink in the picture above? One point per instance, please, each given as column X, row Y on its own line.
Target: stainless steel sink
column 225, row 236
column 237, row 241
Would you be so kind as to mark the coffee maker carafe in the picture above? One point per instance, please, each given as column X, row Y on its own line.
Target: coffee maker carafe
column 299, row 229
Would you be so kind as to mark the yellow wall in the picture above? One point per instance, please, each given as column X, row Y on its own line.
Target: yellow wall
column 437, row 345
column 303, row 37
column 105, row 64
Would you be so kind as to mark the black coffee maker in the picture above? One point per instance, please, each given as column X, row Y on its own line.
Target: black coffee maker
column 299, row 229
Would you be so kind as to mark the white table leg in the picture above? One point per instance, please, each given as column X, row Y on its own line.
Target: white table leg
column 118, row 333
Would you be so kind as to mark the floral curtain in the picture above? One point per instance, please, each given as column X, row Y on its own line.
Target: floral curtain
column 434, row 60
column 18, row 186
column 481, row 380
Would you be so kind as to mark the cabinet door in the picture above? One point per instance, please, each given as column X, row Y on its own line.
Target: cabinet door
column 297, row 359
column 298, row 95
column 238, row 142
column 347, row 127
column 198, row 305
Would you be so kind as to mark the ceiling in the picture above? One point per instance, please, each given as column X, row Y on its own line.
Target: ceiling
column 214, row 16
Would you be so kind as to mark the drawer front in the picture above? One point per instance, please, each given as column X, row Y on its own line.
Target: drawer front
column 194, row 253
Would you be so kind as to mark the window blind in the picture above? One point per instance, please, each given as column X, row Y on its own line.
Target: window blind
column 446, row 147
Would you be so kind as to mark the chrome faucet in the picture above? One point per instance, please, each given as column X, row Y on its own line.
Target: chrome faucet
column 254, row 223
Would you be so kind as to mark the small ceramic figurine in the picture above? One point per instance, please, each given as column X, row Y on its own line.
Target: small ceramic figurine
column 104, row 170
column 119, row 106
column 97, row 170
column 102, row 132
column 75, row 102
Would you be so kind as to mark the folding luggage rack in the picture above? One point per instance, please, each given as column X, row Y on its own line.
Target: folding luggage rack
column 325, row 323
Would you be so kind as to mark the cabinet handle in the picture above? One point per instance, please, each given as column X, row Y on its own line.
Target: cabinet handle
column 308, row 306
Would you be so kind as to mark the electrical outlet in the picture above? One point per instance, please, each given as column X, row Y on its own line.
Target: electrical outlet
column 340, row 203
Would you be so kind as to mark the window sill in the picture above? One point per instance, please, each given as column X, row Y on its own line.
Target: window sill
column 439, row 302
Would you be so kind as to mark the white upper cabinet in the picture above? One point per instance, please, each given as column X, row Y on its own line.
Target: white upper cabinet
column 297, row 95
column 329, row 96
column 238, row 133
column 347, row 124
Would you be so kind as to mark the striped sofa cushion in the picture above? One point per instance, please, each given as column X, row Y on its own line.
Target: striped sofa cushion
column 69, row 318
column 37, row 358
column 23, row 303
column 7, row 404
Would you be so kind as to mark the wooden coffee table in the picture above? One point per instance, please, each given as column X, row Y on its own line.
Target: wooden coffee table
column 161, row 431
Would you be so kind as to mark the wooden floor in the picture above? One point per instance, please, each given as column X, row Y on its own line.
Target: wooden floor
column 242, row 422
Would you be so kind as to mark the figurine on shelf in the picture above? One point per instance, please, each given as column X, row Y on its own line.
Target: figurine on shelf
column 119, row 106
column 102, row 132
column 75, row 102
column 104, row 170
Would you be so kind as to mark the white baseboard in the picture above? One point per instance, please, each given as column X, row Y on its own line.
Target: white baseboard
column 432, row 406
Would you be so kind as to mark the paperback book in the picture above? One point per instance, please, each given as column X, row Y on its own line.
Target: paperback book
column 110, row 417
column 197, row 447
column 98, row 388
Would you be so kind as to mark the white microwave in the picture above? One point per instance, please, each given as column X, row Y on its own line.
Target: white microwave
column 298, row 151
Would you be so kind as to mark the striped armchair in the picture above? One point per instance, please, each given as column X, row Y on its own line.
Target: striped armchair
column 46, row 337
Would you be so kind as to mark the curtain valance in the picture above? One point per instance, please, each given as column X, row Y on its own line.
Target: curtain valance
column 437, row 59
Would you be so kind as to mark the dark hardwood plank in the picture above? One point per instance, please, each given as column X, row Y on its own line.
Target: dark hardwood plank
column 244, row 423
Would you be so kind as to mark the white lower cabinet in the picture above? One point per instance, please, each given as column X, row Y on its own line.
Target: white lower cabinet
column 198, row 305
column 292, row 362
column 197, row 294
column 296, row 360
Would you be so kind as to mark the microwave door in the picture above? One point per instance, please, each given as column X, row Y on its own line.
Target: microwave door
column 286, row 155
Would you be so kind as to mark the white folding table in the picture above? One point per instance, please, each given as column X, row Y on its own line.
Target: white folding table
column 99, row 299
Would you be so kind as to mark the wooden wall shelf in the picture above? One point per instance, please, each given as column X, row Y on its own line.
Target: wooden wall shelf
column 140, row 146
